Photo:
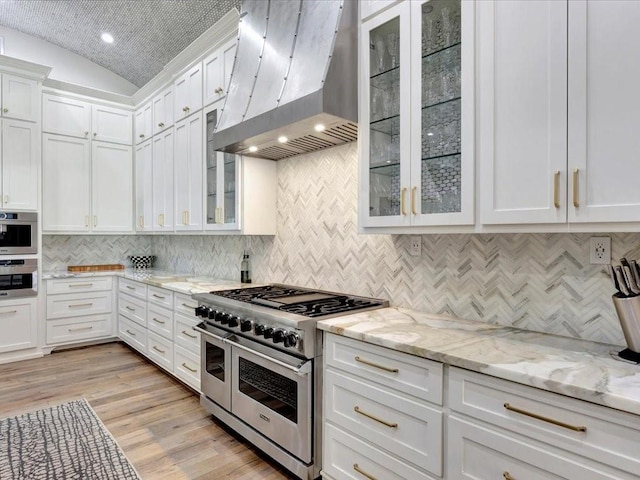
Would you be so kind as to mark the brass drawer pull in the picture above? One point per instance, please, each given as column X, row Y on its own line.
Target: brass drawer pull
column 188, row 306
column 507, row 476
column 80, row 328
column 363, row 473
column 130, row 287
column 575, row 428
column 576, row 202
column 376, row 365
column 158, row 321
column 403, row 211
column 184, row 332
column 189, row 368
column 159, row 296
column 74, row 285
column 158, row 349
column 130, row 332
column 81, row 305
column 413, row 200
column 131, row 309
column 556, row 188
column 373, row 417
column 7, row 312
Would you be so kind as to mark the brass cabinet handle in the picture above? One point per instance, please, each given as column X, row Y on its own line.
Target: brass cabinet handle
column 362, row 472
column 130, row 287
column 159, row 222
column 576, row 202
column 158, row 349
column 376, row 365
column 402, row 192
column 6, row 199
column 159, row 296
column 413, row 200
column 95, row 134
column 131, row 309
column 75, row 285
column 86, row 220
column 575, row 428
column 5, row 110
column 161, row 124
column 507, row 476
column 373, row 417
column 5, row 312
column 157, row 321
column 162, row 215
column 86, row 133
column 188, row 306
column 130, row 332
column 95, row 220
column 184, row 332
column 187, row 215
column 80, row 328
column 556, row 187
column 189, row 368
column 81, row 305
column 185, row 109
column 142, row 135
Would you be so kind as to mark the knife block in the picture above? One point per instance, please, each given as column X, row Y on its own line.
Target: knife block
column 628, row 310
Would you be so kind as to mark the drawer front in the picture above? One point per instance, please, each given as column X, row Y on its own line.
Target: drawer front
column 76, row 305
column 130, row 287
column 476, row 452
column 133, row 334
column 133, row 308
column 160, row 296
column 160, row 321
column 69, row 330
column 410, row 374
column 399, row 424
column 79, row 285
column 186, row 367
column 160, row 350
column 184, row 304
column 185, row 335
column 348, row 457
column 611, row 436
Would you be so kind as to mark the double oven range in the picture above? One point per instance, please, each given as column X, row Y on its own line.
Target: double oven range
column 262, row 366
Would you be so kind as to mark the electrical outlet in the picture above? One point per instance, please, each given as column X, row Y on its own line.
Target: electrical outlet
column 416, row 246
column 600, row 250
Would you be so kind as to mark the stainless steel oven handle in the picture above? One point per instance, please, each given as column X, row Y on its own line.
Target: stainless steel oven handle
column 302, row 369
column 208, row 334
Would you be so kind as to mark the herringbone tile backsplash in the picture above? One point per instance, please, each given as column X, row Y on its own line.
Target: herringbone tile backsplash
column 540, row 282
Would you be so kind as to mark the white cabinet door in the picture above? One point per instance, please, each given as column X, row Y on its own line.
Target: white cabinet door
column 162, row 106
column 163, row 181
column 370, row 7
column 20, row 160
column 604, row 101
column 144, row 130
column 522, row 91
column 18, row 325
column 111, row 124
column 66, row 183
column 217, row 72
column 144, row 186
column 189, row 173
column 66, row 116
column 112, row 187
column 20, row 98
column 188, row 93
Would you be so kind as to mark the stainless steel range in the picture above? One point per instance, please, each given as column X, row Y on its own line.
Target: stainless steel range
column 262, row 366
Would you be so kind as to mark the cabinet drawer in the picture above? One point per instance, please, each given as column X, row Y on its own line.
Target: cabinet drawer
column 345, row 454
column 412, row 375
column 187, row 367
column 399, row 424
column 477, row 452
column 74, row 305
column 135, row 289
column 184, row 304
column 609, row 437
column 132, row 333
column 185, row 335
column 160, row 321
column 133, row 308
column 68, row 330
column 78, row 285
column 160, row 296
column 160, row 350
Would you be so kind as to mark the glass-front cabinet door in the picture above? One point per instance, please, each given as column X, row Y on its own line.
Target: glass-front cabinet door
column 417, row 98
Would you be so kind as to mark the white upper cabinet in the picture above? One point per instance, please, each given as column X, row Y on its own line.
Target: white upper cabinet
column 522, row 98
column 144, row 186
column 143, row 123
column 217, row 72
column 371, row 7
column 162, row 106
column 188, row 173
column 20, row 98
column 111, row 125
column 66, row 116
column 20, row 165
column 163, row 192
column 188, row 93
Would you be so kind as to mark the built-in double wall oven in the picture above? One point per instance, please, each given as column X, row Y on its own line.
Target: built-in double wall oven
column 18, row 236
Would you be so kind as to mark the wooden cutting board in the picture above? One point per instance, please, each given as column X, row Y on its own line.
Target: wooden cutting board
column 95, row 268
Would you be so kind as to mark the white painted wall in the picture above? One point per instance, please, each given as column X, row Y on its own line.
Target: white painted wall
column 66, row 66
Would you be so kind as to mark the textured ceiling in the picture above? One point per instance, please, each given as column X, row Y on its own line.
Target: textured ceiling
column 148, row 33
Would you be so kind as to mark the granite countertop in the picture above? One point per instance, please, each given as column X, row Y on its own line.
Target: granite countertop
column 178, row 282
column 576, row 368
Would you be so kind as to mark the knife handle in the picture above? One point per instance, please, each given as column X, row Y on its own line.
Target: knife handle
column 621, row 281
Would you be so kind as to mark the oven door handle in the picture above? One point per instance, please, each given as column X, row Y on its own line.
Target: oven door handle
column 302, row 369
column 209, row 334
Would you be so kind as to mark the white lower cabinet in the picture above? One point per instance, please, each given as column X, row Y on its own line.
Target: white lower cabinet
column 79, row 309
column 18, row 325
column 160, row 350
column 132, row 333
column 186, row 366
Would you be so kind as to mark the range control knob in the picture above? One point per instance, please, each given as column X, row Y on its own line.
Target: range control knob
column 219, row 315
column 258, row 329
column 224, row 318
column 245, row 325
column 291, row 339
column 234, row 321
column 199, row 310
column 204, row 313
column 278, row 335
column 268, row 332
column 212, row 314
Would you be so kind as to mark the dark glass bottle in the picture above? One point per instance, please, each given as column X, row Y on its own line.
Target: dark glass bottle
column 245, row 274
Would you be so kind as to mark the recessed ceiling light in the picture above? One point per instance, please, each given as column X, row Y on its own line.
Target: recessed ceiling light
column 107, row 38
column 283, row 139
column 319, row 127
column 253, row 148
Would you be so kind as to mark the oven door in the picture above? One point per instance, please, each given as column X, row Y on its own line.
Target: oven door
column 18, row 278
column 215, row 368
column 272, row 392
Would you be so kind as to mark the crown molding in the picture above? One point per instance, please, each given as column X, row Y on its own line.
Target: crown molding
column 22, row 67
column 92, row 95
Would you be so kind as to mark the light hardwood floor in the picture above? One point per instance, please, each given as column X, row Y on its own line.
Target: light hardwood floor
column 156, row 420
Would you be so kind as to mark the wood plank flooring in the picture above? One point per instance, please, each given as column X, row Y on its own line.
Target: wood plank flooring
column 156, row 420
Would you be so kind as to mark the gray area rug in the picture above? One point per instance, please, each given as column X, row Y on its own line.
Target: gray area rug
column 64, row 442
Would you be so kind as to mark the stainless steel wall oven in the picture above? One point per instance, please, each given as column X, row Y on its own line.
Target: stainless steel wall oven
column 18, row 278
column 18, row 233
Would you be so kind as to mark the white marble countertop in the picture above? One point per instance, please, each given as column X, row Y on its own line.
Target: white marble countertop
column 576, row 368
column 177, row 282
